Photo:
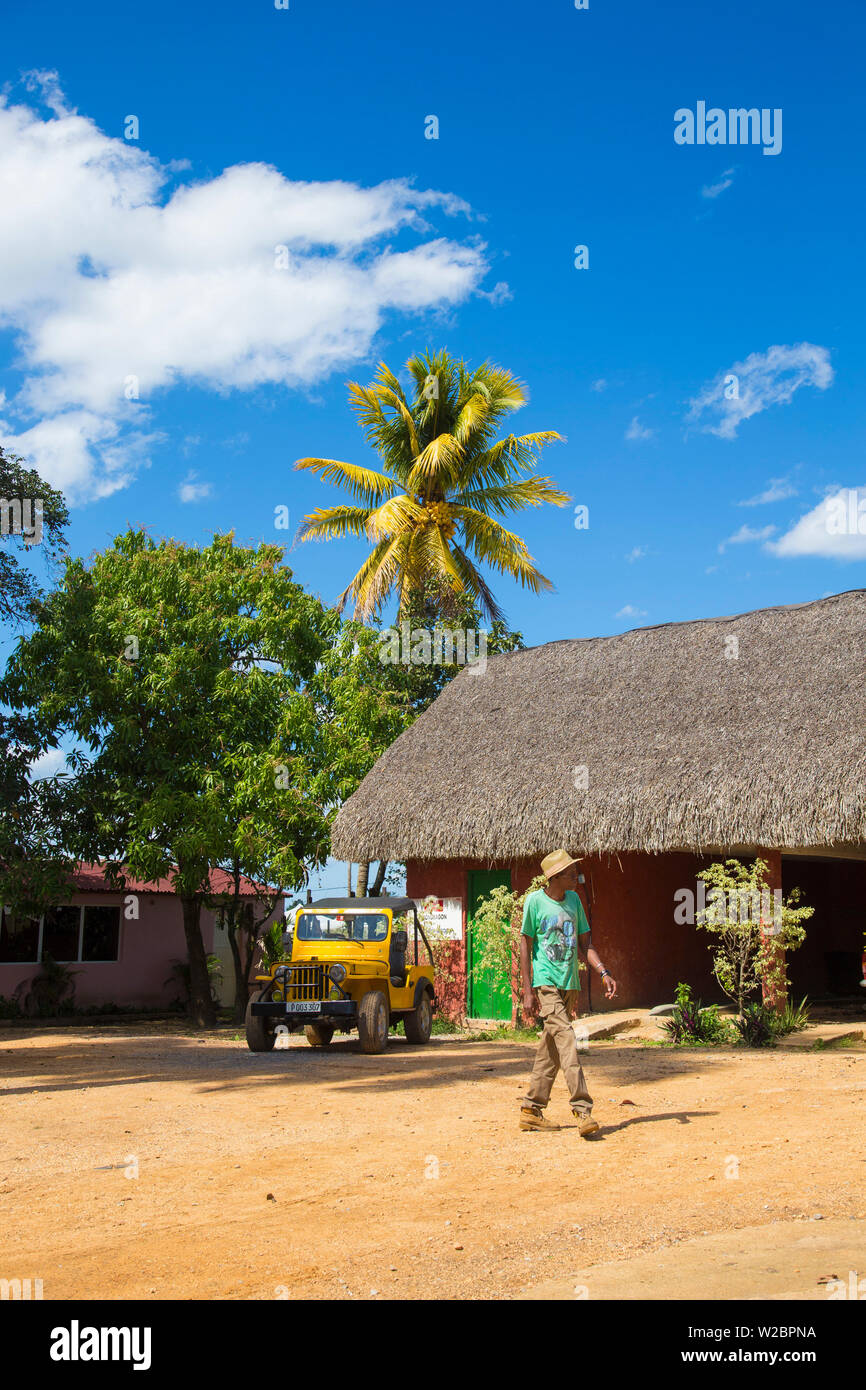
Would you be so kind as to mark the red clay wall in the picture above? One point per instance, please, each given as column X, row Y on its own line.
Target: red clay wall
column 631, row 901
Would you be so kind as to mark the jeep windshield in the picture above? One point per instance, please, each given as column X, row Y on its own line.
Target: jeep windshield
column 342, row 926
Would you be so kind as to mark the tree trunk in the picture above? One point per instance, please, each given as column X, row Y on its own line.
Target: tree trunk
column 363, row 875
column 200, row 1002
column 349, row 880
column 242, row 988
column 376, row 890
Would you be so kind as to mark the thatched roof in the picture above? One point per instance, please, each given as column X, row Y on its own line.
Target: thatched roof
column 685, row 747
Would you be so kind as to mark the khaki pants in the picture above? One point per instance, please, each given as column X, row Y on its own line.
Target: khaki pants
column 557, row 1049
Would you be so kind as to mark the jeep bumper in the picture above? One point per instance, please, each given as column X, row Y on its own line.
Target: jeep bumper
column 337, row 1009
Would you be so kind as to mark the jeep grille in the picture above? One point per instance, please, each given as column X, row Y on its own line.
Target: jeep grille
column 307, row 982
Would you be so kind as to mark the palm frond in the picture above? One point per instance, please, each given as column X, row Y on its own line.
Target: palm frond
column 505, row 460
column 511, row 497
column 330, row 523
column 474, row 583
column 439, row 463
column 501, row 549
column 364, row 483
column 376, row 578
column 397, row 514
column 474, row 413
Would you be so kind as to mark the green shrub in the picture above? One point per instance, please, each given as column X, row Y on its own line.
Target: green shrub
column 9, row 1008
column 441, row 1024
column 51, row 992
column 690, row 1022
column 755, row 1025
column 180, row 976
column 273, row 950
column 792, row 1019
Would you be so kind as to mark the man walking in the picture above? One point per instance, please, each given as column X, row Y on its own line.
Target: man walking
column 553, row 923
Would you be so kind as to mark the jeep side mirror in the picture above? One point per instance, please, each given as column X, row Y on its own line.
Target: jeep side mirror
column 400, row 940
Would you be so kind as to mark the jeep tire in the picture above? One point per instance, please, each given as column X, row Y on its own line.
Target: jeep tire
column 373, row 1022
column 419, row 1023
column 260, row 1035
column 319, row 1034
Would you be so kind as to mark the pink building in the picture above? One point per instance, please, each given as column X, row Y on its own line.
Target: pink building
column 122, row 945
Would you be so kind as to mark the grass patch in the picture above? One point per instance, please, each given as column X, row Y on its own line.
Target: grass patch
column 837, row 1044
column 505, row 1033
column 445, row 1025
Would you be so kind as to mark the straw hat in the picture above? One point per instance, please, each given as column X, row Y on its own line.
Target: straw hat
column 554, row 863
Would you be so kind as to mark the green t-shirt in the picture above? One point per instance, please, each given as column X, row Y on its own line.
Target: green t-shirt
column 554, row 928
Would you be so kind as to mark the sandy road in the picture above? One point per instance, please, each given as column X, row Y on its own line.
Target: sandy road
column 319, row 1174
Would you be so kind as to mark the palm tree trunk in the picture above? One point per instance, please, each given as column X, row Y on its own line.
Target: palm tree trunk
column 375, row 891
column 349, row 880
column 363, row 875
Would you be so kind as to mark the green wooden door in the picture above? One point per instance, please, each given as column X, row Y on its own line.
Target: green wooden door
column 489, row 992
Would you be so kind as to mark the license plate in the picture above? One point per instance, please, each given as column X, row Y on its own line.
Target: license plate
column 303, row 1006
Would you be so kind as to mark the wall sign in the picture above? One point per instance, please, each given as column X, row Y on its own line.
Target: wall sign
column 443, row 916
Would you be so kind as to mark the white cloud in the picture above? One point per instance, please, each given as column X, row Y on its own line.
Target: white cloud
column 52, row 761
column 776, row 490
column 117, row 290
column 82, row 453
column 191, row 491
column 637, row 431
column 629, row 611
column 500, row 294
column 835, row 529
column 712, row 190
column 746, row 534
column 637, row 554
column 762, row 380
column 599, row 385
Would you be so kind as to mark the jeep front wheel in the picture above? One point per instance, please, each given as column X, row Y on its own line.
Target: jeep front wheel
column 319, row 1034
column 419, row 1023
column 373, row 1021
column 260, row 1035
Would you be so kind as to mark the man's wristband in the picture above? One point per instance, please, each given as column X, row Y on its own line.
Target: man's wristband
column 604, row 972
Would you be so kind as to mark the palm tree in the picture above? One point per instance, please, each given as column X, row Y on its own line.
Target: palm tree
column 444, row 479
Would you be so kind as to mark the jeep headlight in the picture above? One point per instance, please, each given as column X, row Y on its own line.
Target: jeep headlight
column 277, row 995
column 337, row 974
column 282, row 973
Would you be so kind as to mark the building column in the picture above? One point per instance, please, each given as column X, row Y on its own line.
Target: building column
column 774, row 995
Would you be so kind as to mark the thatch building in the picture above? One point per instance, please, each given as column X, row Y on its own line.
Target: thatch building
column 650, row 753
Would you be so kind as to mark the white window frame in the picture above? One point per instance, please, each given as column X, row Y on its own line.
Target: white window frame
column 78, row 958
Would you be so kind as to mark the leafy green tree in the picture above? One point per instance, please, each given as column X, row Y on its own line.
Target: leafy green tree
column 753, row 930
column 33, row 872
column 445, row 479
column 181, row 674
column 36, row 818
column 27, row 503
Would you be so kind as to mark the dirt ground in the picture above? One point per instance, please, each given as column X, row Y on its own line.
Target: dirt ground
column 328, row 1174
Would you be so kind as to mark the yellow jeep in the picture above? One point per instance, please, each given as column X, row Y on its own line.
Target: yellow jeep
column 348, row 969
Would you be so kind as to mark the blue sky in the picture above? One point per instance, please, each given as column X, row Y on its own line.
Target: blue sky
column 145, row 259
